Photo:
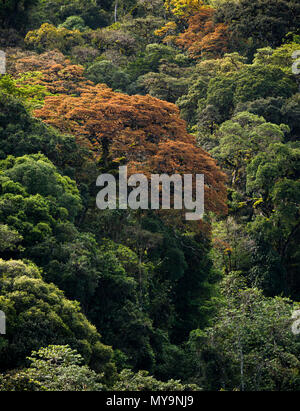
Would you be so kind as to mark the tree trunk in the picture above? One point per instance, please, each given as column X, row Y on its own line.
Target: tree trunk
column 242, row 365
column 116, row 10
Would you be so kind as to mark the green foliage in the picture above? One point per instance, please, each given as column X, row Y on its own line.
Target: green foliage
column 150, row 59
column 142, row 381
column 74, row 23
column 59, row 368
column 15, row 13
column 178, row 306
column 21, row 134
column 255, row 82
column 106, row 72
column 242, row 138
column 32, row 95
column 250, row 346
column 258, row 23
column 273, row 175
column 8, row 238
column 262, row 171
column 17, row 381
column 48, row 37
column 218, row 91
column 38, row 176
column 94, row 14
column 277, row 110
column 38, row 315
column 163, row 86
column 54, row 368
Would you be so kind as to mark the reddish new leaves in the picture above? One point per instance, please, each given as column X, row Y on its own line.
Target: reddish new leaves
column 203, row 36
column 57, row 74
column 145, row 133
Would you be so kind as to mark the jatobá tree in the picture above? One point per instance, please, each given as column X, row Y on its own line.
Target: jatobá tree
column 143, row 132
column 203, row 35
column 199, row 31
column 50, row 69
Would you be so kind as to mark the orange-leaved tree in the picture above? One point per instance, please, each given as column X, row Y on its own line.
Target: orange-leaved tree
column 143, row 132
column 56, row 72
column 203, row 35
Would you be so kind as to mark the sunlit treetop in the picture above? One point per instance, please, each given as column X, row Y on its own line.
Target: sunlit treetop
column 143, row 132
column 183, row 8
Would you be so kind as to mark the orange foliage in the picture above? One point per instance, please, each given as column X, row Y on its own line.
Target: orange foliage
column 203, row 35
column 143, row 132
column 20, row 61
column 58, row 75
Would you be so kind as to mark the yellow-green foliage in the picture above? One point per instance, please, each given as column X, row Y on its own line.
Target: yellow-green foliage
column 26, row 88
column 49, row 37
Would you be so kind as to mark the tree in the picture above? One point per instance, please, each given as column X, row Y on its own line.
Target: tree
column 251, row 346
column 21, row 134
column 14, row 13
column 74, row 23
column 273, row 177
column 32, row 95
column 233, row 247
column 38, row 314
column 54, row 368
column 258, row 81
column 203, row 36
column 95, row 14
column 147, row 131
column 225, row 83
column 9, row 238
column 276, row 110
column 150, row 60
column 142, row 381
column 59, row 368
column 142, row 29
column 115, row 39
column 281, row 56
column 259, row 23
column 183, row 8
column 48, row 37
column 51, row 70
column 164, row 86
column 106, row 72
column 240, row 139
column 38, row 176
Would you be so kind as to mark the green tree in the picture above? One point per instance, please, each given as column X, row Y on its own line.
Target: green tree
column 48, row 37
column 108, row 73
column 14, row 13
column 38, row 314
column 142, row 381
column 273, row 177
column 258, row 23
column 250, row 347
column 59, row 368
column 276, row 110
column 240, row 139
column 54, row 368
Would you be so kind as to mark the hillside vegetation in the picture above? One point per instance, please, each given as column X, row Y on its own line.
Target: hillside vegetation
column 142, row 299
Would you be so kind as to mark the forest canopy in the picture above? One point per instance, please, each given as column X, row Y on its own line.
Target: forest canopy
column 141, row 300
